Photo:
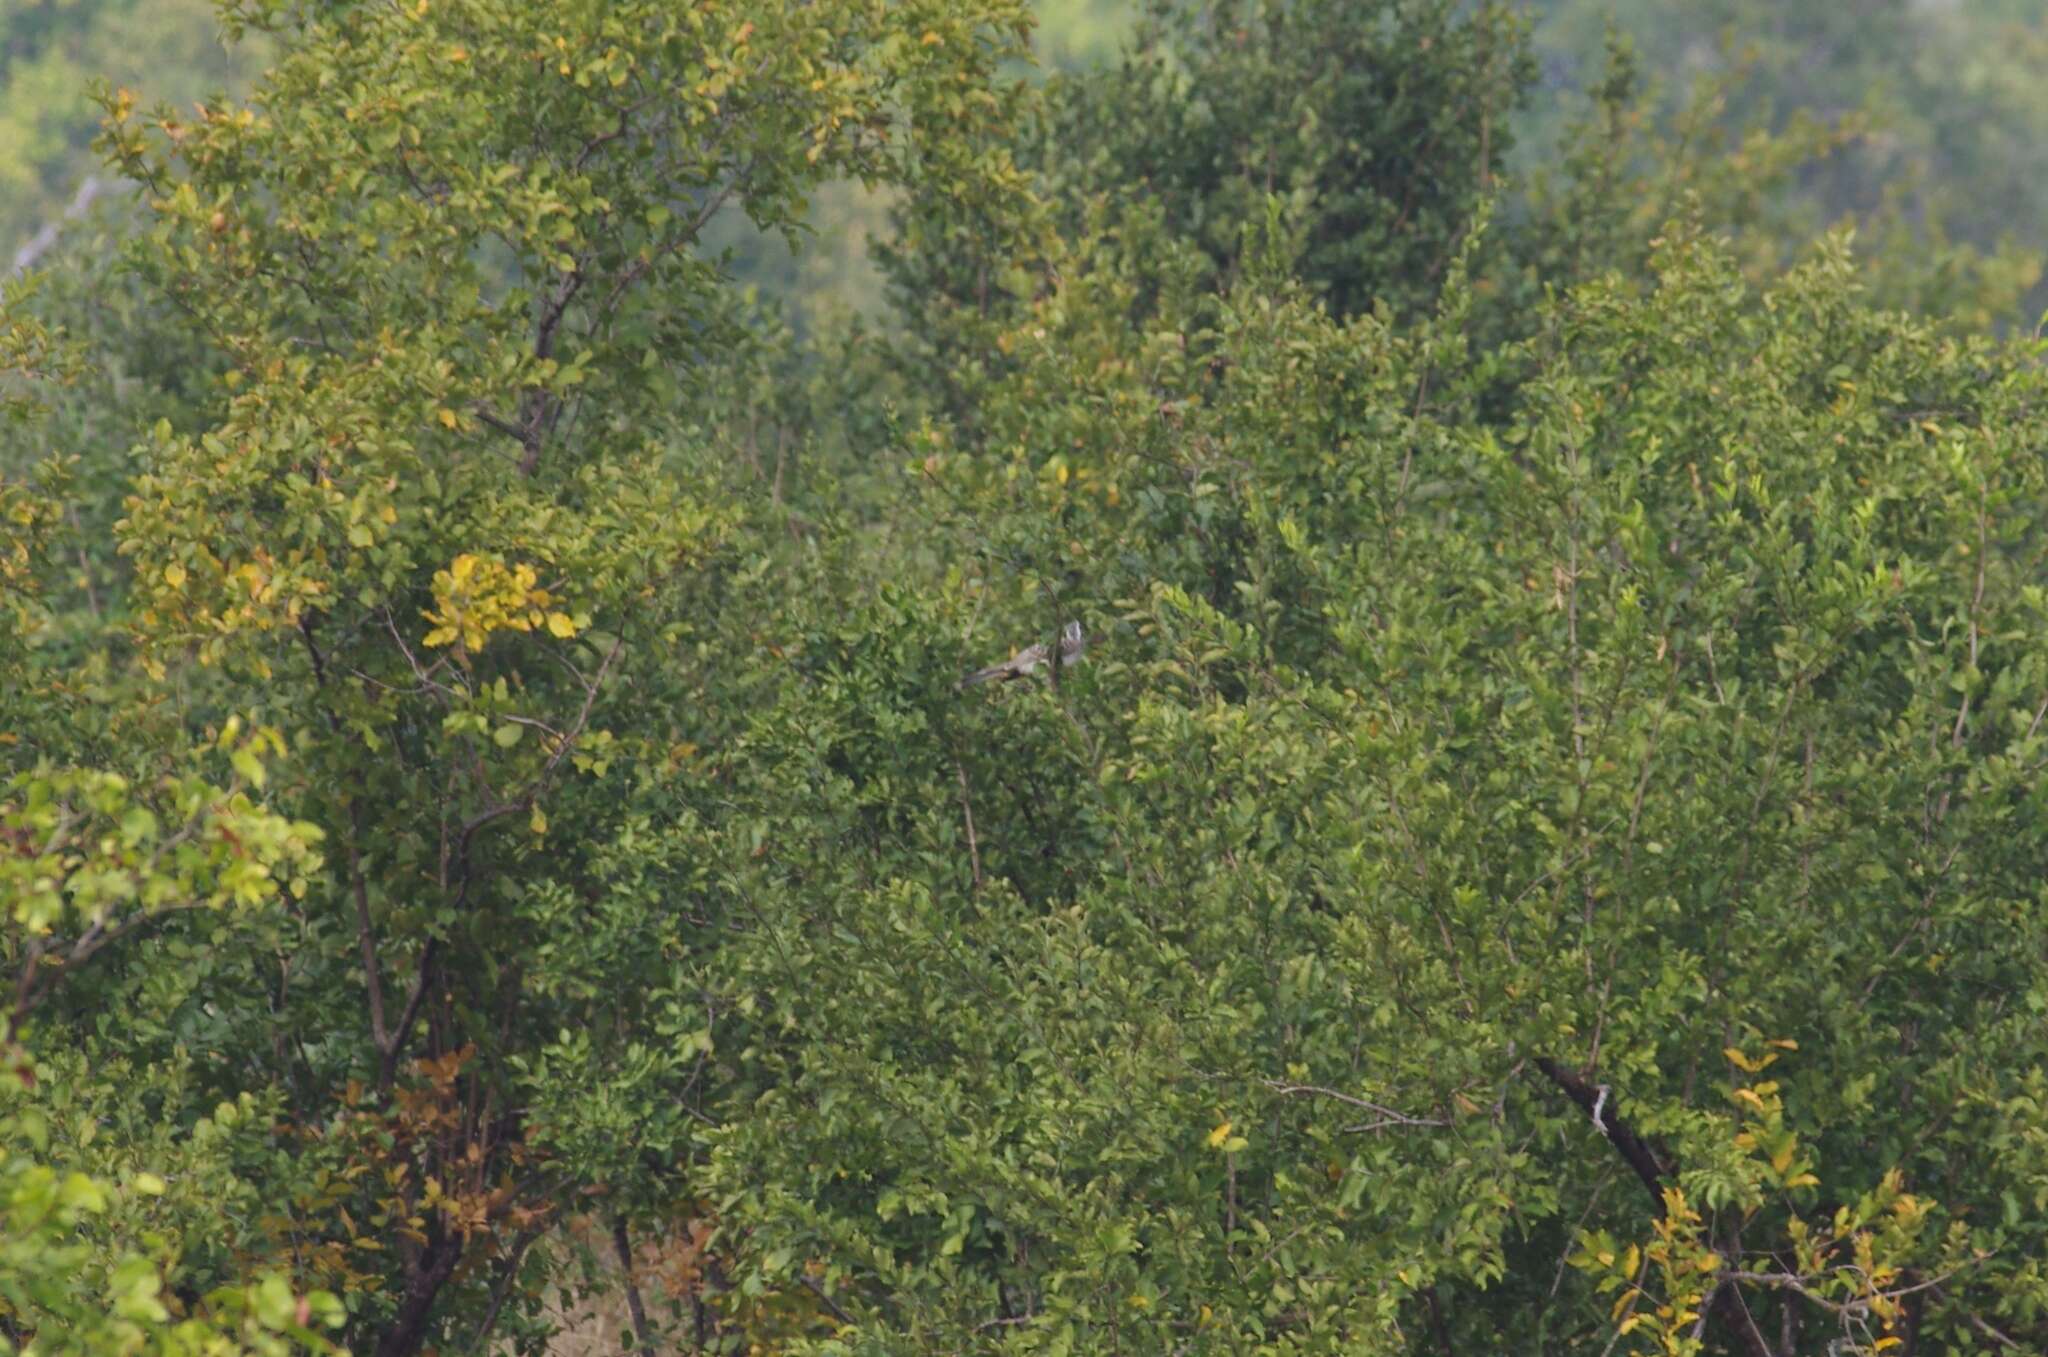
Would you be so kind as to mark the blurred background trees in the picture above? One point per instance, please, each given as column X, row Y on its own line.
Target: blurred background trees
column 1938, row 103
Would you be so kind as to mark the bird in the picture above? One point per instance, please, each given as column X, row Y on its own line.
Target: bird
column 1026, row 661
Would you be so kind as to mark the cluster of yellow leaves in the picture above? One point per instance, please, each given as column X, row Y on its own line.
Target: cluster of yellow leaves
column 26, row 519
column 1687, row 1270
column 1855, row 1265
column 1861, row 1259
column 1085, row 480
column 1765, row 1136
column 479, row 595
column 1221, row 1139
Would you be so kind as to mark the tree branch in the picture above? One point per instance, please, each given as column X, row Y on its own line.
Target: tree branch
column 1598, row 1105
column 967, row 814
column 624, row 1246
column 392, row 1046
column 1388, row 1116
column 507, row 1274
column 366, row 938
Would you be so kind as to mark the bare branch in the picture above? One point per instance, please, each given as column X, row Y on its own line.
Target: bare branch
column 1598, row 1104
column 365, row 935
column 634, row 1307
column 1388, row 1116
column 967, row 814
column 508, row 1272
column 825, row 1300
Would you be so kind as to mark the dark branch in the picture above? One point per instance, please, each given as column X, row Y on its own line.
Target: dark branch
column 1599, row 1106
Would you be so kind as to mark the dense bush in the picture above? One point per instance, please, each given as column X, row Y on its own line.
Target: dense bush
column 1541, row 850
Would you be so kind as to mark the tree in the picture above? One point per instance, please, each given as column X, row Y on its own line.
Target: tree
column 1481, row 883
column 1383, row 125
column 428, row 525
column 1541, row 842
column 96, row 862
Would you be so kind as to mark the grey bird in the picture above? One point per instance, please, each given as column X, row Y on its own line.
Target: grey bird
column 1027, row 661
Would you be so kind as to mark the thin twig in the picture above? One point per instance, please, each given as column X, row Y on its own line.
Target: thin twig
column 825, row 1300
column 507, row 1274
column 967, row 814
column 1388, row 1114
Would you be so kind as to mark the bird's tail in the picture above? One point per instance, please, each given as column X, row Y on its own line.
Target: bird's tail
column 984, row 675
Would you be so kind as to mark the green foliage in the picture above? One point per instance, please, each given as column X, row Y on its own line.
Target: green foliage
column 447, row 277
column 96, row 862
column 1383, row 123
column 1436, row 770
column 1381, row 127
column 93, row 861
column 1541, row 842
column 72, row 1277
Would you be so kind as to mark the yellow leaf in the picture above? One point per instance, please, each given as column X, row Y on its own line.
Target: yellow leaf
column 561, row 625
column 458, row 55
column 174, row 575
column 539, row 823
column 930, row 39
column 447, row 418
column 149, row 1184
column 1748, row 1095
column 1218, row 1136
